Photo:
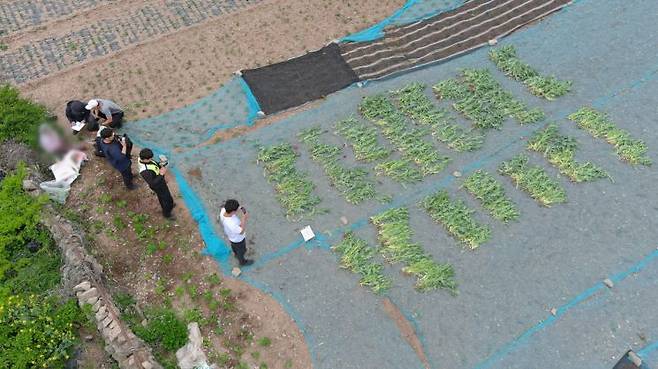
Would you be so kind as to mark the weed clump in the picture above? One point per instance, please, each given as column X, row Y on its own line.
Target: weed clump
column 363, row 140
column 357, row 256
column 534, row 180
column 491, row 194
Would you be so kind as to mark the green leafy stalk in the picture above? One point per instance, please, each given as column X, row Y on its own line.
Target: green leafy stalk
column 353, row 184
column 481, row 99
column 294, row 189
column 457, row 219
column 548, row 87
column 395, row 236
column 363, row 140
column 357, row 256
column 410, row 142
column 560, row 150
column 491, row 194
column 533, row 180
column 599, row 125
column 416, row 105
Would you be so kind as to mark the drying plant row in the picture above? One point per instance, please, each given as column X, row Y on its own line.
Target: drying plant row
column 294, row 190
column 482, row 99
column 548, row 87
column 491, row 194
column 599, row 125
column 356, row 255
column 395, row 236
column 353, row 184
column 415, row 104
column 534, row 180
column 457, row 219
column 363, row 140
column 409, row 141
column 559, row 150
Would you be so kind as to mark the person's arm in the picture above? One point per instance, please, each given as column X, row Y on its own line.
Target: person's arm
column 124, row 147
column 243, row 222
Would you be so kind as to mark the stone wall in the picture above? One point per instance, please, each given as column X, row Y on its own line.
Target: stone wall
column 83, row 276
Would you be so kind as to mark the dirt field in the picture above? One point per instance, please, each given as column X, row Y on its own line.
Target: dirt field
column 174, row 69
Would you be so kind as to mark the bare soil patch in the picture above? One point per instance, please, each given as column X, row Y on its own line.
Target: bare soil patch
column 406, row 329
column 177, row 69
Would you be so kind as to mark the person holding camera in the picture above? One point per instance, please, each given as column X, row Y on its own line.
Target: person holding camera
column 154, row 175
column 117, row 152
column 234, row 228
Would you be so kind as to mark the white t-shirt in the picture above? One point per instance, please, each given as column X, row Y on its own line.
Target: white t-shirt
column 232, row 227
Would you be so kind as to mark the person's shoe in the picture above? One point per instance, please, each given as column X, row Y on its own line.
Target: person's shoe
column 247, row 262
column 170, row 217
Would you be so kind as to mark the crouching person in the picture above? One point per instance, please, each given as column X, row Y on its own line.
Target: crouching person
column 154, row 174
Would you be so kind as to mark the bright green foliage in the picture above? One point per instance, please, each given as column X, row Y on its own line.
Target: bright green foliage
column 401, row 171
column 19, row 118
column 357, row 256
column 482, row 99
column 36, row 332
column 533, row 180
column 457, row 219
column 395, row 235
column 415, row 104
column 560, row 150
column 363, row 140
column 19, row 221
column 410, row 142
column 599, row 125
column 353, row 184
column 294, row 189
column 491, row 194
column 548, row 87
column 164, row 328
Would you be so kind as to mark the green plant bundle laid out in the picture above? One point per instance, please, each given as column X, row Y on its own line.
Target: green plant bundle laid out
column 353, row 184
column 457, row 219
column 491, row 194
column 480, row 98
column 357, row 256
column 395, row 234
column 534, row 180
column 363, row 140
column 599, row 125
column 415, row 104
column 560, row 151
column 548, row 87
column 294, row 189
column 409, row 141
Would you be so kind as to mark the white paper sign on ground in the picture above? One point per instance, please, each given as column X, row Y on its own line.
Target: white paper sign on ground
column 307, row 233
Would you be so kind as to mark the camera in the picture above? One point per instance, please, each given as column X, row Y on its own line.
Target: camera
column 244, row 211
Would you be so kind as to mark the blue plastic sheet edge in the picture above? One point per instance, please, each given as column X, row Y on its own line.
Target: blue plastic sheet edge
column 377, row 31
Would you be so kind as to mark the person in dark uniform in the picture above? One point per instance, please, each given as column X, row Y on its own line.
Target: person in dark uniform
column 117, row 153
column 76, row 112
column 154, row 174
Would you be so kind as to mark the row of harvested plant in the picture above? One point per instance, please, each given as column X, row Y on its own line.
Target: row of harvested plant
column 357, row 256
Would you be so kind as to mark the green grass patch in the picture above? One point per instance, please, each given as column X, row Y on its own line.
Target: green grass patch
column 559, row 150
column 401, row 171
column 409, row 141
column 19, row 117
column 353, row 184
column 480, row 98
column 547, row 87
column 363, row 140
column 415, row 104
column 395, row 236
column 294, row 189
column 534, row 180
column 457, row 219
column 599, row 125
column 484, row 187
column 356, row 256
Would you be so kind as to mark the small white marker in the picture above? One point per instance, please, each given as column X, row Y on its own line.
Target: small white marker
column 307, row 233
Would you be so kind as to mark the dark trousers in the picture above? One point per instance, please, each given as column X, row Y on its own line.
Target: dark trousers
column 127, row 176
column 165, row 199
column 239, row 249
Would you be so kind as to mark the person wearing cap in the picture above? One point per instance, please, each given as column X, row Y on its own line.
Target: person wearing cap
column 115, row 151
column 154, row 175
column 107, row 111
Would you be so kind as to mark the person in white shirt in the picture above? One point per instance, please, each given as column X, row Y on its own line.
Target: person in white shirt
column 234, row 228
